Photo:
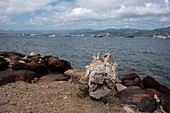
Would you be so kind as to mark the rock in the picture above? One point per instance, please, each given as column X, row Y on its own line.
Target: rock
column 166, row 104
column 138, row 99
column 19, row 66
column 4, row 54
column 39, row 68
column 131, row 76
column 58, row 65
column 83, row 89
column 100, row 76
column 155, row 92
column 53, row 77
column 15, row 58
column 3, row 64
column 13, row 76
column 127, row 83
column 150, row 82
column 120, row 87
column 45, row 79
column 35, row 58
column 29, row 64
column 132, row 80
column 12, row 53
column 21, row 61
column 164, row 99
column 75, row 74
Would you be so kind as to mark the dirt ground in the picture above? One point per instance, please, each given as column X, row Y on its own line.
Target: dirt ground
column 62, row 97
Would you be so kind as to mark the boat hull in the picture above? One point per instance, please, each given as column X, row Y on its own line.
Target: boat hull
column 129, row 36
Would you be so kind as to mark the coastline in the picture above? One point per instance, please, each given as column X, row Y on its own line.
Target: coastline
column 49, row 87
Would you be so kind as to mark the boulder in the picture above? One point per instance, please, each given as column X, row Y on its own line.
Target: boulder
column 166, row 103
column 127, row 83
column 4, row 54
column 19, row 66
column 39, row 68
column 164, row 99
column 13, row 76
column 53, row 77
column 132, row 80
column 155, row 92
column 131, row 76
column 33, row 58
column 12, row 53
column 3, row 64
column 75, row 74
column 138, row 99
column 150, row 82
column 58, row 65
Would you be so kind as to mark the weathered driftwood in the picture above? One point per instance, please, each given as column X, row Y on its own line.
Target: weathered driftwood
column 100, row 76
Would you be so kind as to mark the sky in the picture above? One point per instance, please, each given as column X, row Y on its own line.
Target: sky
column 79, row 14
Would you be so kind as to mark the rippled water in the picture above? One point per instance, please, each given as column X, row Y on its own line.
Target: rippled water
column 144, row 56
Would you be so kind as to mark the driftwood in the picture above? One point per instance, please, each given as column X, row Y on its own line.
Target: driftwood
column 100, row 77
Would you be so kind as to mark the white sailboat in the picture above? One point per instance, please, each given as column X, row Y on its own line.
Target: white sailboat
column 161, row 34
column 51, row 35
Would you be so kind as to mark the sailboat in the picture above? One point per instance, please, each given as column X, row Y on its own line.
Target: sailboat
column 161, row 35
column 51, row 35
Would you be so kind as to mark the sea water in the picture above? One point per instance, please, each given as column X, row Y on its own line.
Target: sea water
column 141, row 55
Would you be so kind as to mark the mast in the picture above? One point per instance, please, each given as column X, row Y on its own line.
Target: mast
column 162, row 29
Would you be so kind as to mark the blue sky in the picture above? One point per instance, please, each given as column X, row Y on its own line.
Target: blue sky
column 78, row 14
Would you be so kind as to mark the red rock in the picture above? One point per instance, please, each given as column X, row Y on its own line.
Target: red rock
column 138, row 99
column 156, row 92
column 132, row 80
column 3, row 64
column 29, row 64
column 4, row 54
column 127, row 83
column 53, row 77
column 165, row 99
column 131, row 76
column 13, row 76
column 12, row 53
column 39, row 68
column 19, row 66
column 57, row 65
column 150, row 82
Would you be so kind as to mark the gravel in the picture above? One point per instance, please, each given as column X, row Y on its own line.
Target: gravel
column 51, row 97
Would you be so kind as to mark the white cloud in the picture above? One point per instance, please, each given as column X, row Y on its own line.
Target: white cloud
column 167, row 3
column 22, row 6
column 86, row 12
column 165, row 19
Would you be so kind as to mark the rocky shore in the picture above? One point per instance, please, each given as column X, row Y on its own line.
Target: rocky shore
column 31, row 83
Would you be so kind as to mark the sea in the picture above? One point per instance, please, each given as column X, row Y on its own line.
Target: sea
column 141, row 55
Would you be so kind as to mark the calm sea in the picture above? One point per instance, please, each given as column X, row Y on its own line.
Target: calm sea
column 141, row 55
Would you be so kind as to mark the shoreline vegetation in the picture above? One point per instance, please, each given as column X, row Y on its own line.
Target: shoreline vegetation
column 31, row 83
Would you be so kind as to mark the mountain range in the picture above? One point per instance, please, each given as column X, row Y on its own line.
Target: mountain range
column 92, row 31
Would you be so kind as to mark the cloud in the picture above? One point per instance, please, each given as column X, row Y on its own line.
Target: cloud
column 85, row 13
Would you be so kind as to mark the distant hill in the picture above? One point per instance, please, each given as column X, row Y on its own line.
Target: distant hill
column 167, row 30
column 91, row 31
